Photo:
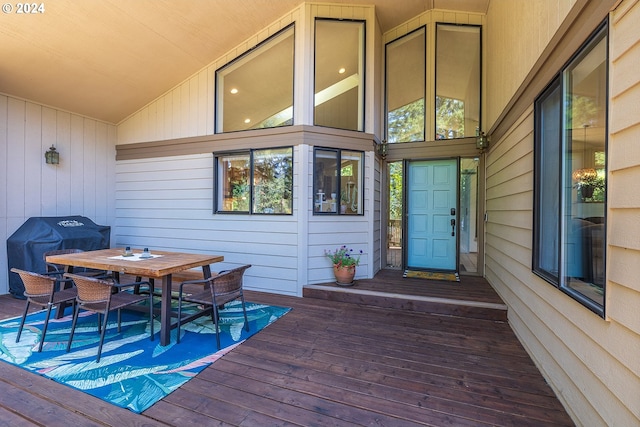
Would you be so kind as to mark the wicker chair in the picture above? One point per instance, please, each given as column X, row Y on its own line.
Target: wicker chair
column 102, row 296
column 45, row 292
column 218, row 290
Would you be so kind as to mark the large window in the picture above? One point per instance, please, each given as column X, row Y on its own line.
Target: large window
column 337, row 181
column 339, row 74
column 571, row 171
column 457, row 103
column 256, row 90
column 257, row 181
column 405, row 74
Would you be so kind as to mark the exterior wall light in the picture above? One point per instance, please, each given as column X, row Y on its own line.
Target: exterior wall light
column 52, row 157
column 482, row 142
column 383, row 149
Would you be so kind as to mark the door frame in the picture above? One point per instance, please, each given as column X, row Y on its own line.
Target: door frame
column 463, row 148
column 405, row 214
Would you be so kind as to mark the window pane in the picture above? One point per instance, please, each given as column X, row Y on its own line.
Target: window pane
column 256, row 91
column 339, row 88
column 584, row 179
column 468, row 231
column 405, row 62
column 457, row 81
column 351, row 180
column 273, row 181
column 337, row 189
column 325, row 181
column 234, row 183
column 547, row 250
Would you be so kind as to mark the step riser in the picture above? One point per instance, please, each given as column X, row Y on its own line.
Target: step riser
column 408, row 302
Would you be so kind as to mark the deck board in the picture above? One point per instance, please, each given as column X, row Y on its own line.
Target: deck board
column 332, row 363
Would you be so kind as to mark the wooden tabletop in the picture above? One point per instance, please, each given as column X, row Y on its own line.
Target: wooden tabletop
column 112, row 260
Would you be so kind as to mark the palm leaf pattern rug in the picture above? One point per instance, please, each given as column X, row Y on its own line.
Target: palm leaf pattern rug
column 134, row 372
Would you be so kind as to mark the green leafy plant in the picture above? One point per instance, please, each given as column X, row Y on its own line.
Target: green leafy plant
column 592, row 187
column 343, row 257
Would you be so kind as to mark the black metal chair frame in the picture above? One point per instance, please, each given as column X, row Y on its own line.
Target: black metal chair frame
column 45, row 291
column 102, row 296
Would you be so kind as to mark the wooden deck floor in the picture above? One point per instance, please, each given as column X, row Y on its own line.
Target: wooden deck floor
column 330, row 363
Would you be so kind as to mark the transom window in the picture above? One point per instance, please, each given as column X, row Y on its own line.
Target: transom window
column 416, row 111
column 406, row 81
column 255, row 91
column 339, row 74
column 457, row 103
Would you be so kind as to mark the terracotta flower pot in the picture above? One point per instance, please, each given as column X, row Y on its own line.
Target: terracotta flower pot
column 344, row 275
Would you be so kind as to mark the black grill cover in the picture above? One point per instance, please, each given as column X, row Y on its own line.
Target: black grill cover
column 25, row 247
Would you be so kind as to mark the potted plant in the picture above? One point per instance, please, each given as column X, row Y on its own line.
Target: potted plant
column 344, row 264
column 591, row 187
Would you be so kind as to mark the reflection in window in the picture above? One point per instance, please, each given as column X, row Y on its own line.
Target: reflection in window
column 457, row 103
column 585, row 82
column 256, row 90
column 339, row 74
column 272, row 181
column 571, row 172
column 233, row 170
column 337, row 181
column 259, row 181
column 405, row 74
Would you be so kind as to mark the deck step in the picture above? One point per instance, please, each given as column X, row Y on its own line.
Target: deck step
column 434, row 305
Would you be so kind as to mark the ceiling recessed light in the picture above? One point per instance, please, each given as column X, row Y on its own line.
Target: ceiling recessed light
column 247, row 121
column 234, row 91
column 342, row 70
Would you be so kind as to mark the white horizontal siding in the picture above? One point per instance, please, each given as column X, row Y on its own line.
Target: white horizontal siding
column 167, row 203
column 328, row 232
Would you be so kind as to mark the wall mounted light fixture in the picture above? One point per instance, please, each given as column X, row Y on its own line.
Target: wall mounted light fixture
column 51, row 156
column 383, row 149
column 482, row 142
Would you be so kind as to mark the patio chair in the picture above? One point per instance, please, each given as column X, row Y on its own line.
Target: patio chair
column 45, row 291
column 218, row 290
column 102, row 296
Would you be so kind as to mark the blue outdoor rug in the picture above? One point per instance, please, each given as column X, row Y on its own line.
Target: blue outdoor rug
column 134, row 372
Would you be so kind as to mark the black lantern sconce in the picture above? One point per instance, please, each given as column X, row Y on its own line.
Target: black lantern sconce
column 51, row 156
column 482, row 142
column 383, row 149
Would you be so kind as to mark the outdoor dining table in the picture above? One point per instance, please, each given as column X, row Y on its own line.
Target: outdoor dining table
column 160, row 265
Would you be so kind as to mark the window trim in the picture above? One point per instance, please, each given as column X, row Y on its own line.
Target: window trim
column 339, row 151
column 363, row 108
column 435, row 77
column 556, row 84
column 422, row 28
column 244, row 55
column 217, row 184
column 559, row 81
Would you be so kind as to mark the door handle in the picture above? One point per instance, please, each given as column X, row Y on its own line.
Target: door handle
column 453, row 227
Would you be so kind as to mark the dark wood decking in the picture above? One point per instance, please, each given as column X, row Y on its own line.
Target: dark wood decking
column 331, row 363
column 471, row 297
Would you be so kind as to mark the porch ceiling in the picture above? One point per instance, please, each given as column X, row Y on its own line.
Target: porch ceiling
column 107, row 58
